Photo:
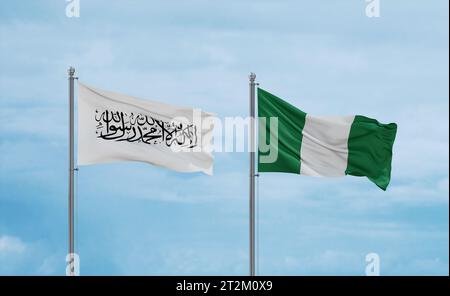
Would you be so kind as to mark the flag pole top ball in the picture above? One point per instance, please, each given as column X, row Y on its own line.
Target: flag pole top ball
column 71, row 71
column 252, row 76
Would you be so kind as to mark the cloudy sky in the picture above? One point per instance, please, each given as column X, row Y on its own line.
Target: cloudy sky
column 326, row 57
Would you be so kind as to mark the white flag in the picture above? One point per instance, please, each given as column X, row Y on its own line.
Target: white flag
column 116, row 127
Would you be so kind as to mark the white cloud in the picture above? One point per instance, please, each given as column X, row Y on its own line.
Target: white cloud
column 18, row 257
column 50, row 265
column 11, row 245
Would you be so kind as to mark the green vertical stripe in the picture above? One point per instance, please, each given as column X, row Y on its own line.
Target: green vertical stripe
column 290, row 125
column 370, row 150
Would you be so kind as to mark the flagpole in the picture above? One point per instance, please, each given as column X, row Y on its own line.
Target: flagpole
column 252, row 78
column 71, row 72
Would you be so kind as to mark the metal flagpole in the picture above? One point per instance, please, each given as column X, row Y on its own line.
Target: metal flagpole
column 252, row 78
column 71, row 73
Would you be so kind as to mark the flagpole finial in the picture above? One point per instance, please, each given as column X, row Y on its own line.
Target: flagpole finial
column 71, row 71
column 252, row 77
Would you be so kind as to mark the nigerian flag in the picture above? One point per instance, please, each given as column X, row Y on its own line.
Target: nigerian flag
column 322, row 146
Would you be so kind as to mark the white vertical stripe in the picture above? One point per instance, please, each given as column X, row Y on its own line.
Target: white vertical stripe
column 324, row 149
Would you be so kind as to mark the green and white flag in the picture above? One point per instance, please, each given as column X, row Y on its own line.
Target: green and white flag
column 323, row 146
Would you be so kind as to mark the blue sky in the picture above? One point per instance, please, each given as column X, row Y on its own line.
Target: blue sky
column 326, row 57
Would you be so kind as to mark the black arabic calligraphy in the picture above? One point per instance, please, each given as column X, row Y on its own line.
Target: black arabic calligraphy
column 141, row 128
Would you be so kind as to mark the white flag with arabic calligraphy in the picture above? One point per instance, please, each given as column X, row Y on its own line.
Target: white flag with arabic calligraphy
column 115, row 127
